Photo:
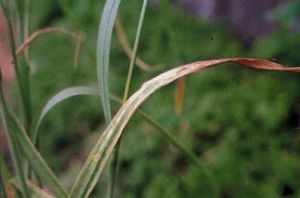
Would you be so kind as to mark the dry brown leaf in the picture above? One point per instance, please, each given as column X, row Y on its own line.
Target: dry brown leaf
column 78, row 38
column 179, row 95
column 128, row 51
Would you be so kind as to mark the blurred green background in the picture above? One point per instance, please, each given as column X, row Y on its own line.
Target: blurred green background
column 242, row 123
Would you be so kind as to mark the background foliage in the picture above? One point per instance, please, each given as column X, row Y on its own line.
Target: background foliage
column 241, row 123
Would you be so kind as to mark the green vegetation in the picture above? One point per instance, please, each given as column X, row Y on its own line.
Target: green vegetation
column 234, row 120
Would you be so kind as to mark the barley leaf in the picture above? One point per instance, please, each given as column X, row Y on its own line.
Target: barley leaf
column 101, row 152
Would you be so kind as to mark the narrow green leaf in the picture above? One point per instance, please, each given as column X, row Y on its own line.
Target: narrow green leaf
column 182, row 148
column 58, row 98
column 101, row 152
column 108, row 18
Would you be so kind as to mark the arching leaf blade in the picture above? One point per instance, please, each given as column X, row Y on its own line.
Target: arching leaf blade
column 107, row 22
column 58, row 98
column 101, row 152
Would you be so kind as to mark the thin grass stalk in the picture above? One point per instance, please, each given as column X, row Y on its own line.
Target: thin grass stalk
column 135, row 49
column 26, row 22
column 184, row 150
column 18, row 7
column 115, row 159
column 14, row 146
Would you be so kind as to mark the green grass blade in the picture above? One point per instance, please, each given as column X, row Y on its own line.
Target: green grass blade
column 101, row 152
column 183, row 149
column 103, row 50
column 135, row 49
column 36, row 192
column 58, row 98
column 32, row 156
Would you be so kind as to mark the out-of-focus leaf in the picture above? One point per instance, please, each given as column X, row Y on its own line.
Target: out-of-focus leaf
column 125, row 44
column 101, row 152
column 27, row 42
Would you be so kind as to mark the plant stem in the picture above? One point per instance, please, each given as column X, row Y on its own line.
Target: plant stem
column 115, row 159
column 184, row 150
column 134, row 53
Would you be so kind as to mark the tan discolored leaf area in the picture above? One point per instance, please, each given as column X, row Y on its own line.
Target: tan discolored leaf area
column 179, row 95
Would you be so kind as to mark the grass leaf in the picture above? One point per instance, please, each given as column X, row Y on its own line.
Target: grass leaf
column 107, row 22
column 101, row 152
column 76, row 91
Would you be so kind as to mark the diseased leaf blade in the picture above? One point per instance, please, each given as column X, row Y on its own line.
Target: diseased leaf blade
column 101, row 152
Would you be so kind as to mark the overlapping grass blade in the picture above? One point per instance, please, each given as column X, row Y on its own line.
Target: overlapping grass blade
column 103, row 50
column 8, row 126
column 77, row 91
column 28, row 150
column 35, row 191
column 58, row 98
column 102, row 150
